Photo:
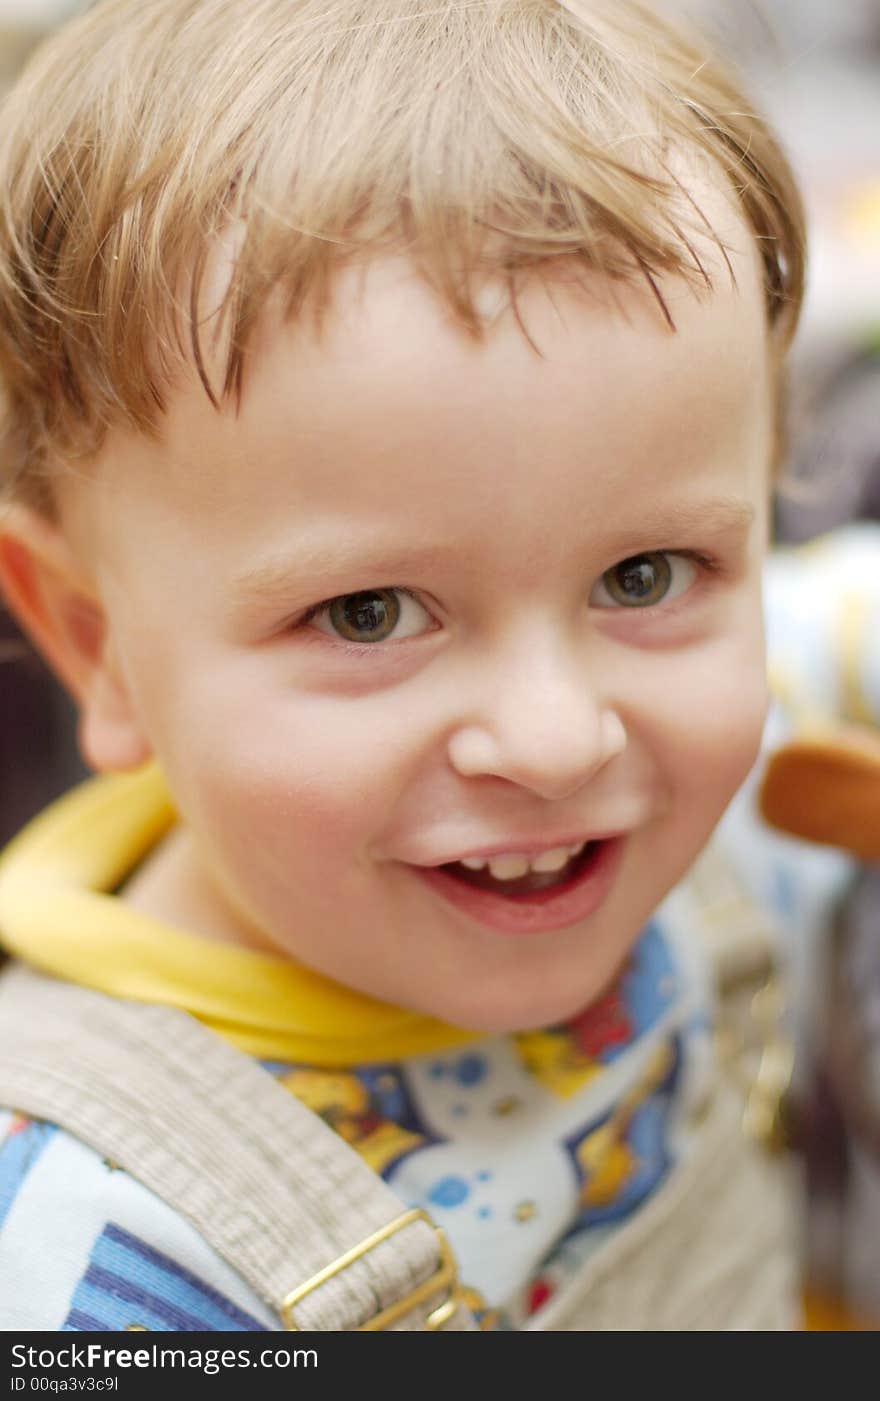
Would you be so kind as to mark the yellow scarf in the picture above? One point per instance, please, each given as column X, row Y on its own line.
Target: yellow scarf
column 56, row 913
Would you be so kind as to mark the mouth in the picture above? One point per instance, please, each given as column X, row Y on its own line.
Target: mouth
column 491, row 874
column 533, row 901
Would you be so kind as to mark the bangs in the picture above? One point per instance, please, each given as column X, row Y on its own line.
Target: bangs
column 475, row 137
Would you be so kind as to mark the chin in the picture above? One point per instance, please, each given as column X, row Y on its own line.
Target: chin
column 507, row 1015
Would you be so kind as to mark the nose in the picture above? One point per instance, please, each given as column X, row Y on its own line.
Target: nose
column 541, row 724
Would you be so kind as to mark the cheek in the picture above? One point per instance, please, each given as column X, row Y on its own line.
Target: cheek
column 726, row 738
column 713, row 722
column 299, row 775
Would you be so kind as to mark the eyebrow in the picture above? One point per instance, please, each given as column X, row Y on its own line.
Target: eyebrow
column 333, row 556
column 719, row 515
column 306, row 563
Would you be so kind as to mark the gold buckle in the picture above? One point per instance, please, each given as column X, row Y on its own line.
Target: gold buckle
column 443, row 1278
column 765, row 1117
column 761, row 1057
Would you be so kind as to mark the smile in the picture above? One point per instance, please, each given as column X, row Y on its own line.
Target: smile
column 520, row 875
column 530, row 900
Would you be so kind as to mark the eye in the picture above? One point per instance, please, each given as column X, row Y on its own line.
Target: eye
column 374, row 615
column 643, row 581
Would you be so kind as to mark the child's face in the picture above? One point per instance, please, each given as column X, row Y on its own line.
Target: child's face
column 488, row 680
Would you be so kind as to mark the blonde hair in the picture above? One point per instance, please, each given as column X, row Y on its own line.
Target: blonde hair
column 475, row 136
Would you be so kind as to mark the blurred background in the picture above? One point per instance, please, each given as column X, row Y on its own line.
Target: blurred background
column 814, row 67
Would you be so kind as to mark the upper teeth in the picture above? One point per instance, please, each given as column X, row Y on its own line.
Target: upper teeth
column 512, row 865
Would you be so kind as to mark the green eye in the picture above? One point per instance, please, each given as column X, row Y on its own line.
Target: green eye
column 371, row 616
column 640, row 581
column 365, row 617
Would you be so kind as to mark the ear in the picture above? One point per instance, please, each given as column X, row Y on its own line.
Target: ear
column 56, row 604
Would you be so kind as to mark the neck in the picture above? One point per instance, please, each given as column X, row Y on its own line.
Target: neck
column 171, row 885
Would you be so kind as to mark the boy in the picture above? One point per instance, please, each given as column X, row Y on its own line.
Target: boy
column 391, row 399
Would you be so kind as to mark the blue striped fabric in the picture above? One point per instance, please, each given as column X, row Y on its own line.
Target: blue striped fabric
column 19, row 1152
column 129, row 1283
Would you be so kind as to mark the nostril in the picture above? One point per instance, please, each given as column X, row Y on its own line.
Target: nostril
column 471, row 752
column 613, row 734
column 553, row 755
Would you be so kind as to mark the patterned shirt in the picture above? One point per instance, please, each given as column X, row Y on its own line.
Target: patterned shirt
column 528, row 1150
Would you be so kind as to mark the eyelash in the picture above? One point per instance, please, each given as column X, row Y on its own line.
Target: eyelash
column 357, row 648
column 706, row 564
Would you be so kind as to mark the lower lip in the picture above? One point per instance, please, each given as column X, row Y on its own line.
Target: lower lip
column 541, row 912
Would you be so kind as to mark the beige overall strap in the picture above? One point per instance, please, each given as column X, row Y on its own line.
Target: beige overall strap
column 276, row 1192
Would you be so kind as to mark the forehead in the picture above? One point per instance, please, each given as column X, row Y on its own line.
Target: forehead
column 383, row 320
column 392, row 399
